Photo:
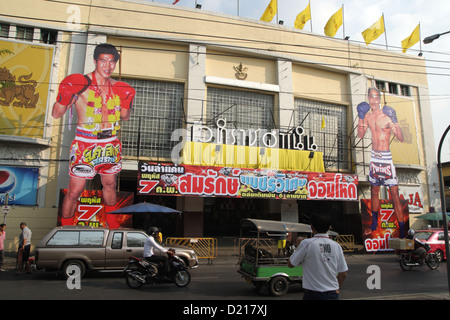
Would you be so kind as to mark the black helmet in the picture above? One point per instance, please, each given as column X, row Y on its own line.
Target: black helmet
column 152, row 231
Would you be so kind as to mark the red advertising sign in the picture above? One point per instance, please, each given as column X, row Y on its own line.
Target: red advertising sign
column 186, row 180
column 386, row 225
column 91, row 210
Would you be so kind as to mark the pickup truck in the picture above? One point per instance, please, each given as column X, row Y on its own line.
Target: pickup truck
column 96, row 249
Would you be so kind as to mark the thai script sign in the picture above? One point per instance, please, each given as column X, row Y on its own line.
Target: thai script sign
column 187, row 180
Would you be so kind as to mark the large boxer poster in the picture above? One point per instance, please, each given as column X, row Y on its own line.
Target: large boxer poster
column 390, row 128
column 101, row 103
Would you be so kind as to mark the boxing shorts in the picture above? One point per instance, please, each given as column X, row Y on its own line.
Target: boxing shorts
column 382, row 170
column 91, row 154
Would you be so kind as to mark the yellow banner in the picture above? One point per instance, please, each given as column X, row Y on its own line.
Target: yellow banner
column 25, row 70
column 222, row 155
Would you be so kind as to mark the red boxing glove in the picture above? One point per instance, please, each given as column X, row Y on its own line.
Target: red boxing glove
column 70, row 86
column 125, row 92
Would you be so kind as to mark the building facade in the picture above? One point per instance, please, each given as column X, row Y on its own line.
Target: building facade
column 204, row 74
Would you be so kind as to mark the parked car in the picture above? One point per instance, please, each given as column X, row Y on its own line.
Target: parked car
column 96, row 249
column 435, row 238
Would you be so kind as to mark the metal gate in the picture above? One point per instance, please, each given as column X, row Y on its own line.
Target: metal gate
column 205, row 248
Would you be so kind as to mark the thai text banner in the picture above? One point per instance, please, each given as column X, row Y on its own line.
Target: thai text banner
column 186, row 180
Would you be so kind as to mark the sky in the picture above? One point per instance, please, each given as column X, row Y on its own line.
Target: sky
column 401, row 17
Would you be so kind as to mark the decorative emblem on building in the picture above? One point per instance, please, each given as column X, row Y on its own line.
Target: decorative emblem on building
column 241, row 72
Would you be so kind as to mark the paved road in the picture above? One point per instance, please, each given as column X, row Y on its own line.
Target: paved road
column 221, row 281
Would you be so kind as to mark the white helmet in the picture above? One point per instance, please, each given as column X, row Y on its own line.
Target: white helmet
column 410, row 232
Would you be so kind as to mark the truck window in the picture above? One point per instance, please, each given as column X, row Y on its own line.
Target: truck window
column 117, row 240
column 135, row 239
column 91, row 238
column 76, row 238
column 64, row 238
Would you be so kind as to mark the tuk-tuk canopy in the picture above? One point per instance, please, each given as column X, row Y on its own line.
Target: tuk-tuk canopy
column 275, row 226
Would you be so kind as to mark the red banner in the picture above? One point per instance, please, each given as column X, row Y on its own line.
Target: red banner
column 186, row 180
column 386, row 225
column 91, row 210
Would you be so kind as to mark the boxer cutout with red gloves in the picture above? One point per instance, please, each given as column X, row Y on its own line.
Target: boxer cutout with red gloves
column 382, row 122
column 101, row 103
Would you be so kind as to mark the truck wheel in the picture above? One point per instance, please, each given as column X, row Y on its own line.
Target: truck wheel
column 73, row 268
column 278, row 286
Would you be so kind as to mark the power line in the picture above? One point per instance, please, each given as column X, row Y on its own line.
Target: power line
column 231, row 39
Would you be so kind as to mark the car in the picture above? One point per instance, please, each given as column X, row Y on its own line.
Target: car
column 96, row 249
column 435, row 239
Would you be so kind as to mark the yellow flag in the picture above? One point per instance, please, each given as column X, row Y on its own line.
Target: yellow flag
column 323, row 123
column 334, row 23
column 302, row 18
column 412, row 39
column 374, row 31
column 270, row 12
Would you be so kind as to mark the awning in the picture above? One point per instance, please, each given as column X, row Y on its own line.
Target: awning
column 435, row 216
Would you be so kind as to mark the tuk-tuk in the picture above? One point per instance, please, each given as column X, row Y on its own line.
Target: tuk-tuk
column 265, row 269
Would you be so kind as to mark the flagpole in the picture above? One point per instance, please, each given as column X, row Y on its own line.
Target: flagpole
column 310, row 15
column 277, row 13
column 420, row 38
column 385, row 33
column 343, row 24
column 238, row 8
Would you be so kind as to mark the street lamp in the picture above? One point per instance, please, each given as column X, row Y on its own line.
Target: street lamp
column 430, row 39
column 441, row 180
column 443, row 205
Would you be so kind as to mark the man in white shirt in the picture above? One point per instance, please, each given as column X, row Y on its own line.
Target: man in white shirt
column 149, row 253
column 324, row 265
column 23, row 254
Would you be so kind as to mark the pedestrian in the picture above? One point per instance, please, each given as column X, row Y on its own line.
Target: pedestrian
column 2, row 245
column 23, row 253
column 324, row 265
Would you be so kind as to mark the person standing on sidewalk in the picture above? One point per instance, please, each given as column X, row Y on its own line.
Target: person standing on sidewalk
column 2, row 245
column 324, row 265
column 23, row 254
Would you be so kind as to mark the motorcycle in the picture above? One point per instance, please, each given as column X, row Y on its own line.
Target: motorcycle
column 408, row 259
column 140, row 271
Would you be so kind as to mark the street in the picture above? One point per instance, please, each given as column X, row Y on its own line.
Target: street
column 221, row 281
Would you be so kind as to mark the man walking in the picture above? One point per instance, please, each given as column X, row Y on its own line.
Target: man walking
column 324, row 265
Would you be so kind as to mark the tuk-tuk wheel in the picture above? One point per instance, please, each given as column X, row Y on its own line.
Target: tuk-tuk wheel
column 278, row 286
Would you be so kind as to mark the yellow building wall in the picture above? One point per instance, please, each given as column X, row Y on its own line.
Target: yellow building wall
column 320, row 84
column 221, row 64
column 151, row 59
column 39, row 220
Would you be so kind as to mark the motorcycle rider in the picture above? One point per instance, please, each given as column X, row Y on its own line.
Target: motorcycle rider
column 419, row 249
column 150, row 245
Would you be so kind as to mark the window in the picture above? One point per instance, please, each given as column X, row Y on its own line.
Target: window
column 332, row 140
column 380, row 85
column 76, row 238
column 64, row 238
column 405, row 90
column 241, row 109
column 4, row 30
column 91, row 238
column 157, row 112
column 48, row 36
column 117, row 240
column 24, row 33
column 135, row 239
column 393, row 88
